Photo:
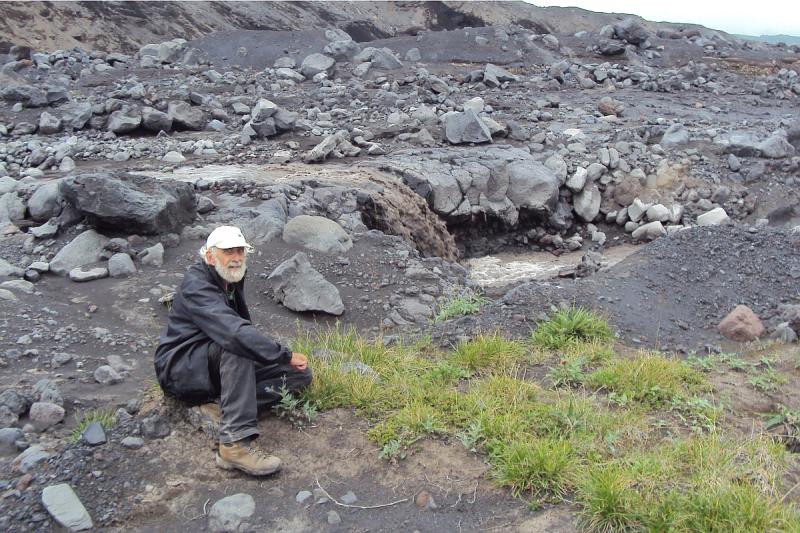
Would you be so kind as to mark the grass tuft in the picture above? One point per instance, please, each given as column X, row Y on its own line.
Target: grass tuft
column 107, row 418
column 540, row 466
column 570, row 326
column 465, row 302
column 492, row 351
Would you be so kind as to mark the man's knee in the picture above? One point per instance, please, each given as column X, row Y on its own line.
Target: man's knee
column 302, row 379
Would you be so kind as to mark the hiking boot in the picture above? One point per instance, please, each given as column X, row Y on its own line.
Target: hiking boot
column 247, row 457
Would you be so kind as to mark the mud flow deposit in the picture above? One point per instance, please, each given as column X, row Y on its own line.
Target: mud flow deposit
column 545, row 264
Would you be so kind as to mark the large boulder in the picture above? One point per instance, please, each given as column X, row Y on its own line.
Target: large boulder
column 675, row 136
column 268, row 224
column 76, row 115
column 155, row 120
column 131, row 203
column 382, row 58
column 166, row 52
column 531, row 185
column 741, row 324
column 631, row 30
column 186, row 117
column 11, row 207
column 300, row 288
column 45, row 203
column 315, row 63
column 124, row 120
column 587, row 203
column 84, row 249
column 466, row 127
column 317, row 233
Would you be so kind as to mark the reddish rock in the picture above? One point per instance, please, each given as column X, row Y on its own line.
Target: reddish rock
column 741, row 325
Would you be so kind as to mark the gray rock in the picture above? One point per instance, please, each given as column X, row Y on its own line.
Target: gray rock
column 302, row 496
column 153, row 256
column 675, row 136
column 587, row 203
column 268, row 225
column 94, row 435
column 631, row 31
column 658, row 213
column 49, row 124
column 46, row 391
column 348, row 498
column 28, row 459
column 7, row 183
column 81, row 274
column 186, row 117
column 494, row 75
column 228, row 513
column 289, row 74
column 8, row 440
column 84, row 249
column 784, row 334
column 325, row 148
column 776, row 147
column 60, row 359
column 649, row 231
column 299, row 287
column 44, row 415
column 333, row 518
column 14, row 401
column 155, row 120
column 131, row 203
column 155, row 426
column 18, row 285
column 578, row 180
column 45, row 231
column 8, row 270
column 106, row 375
column 124, row 120
column 45, row 203
column 66, row 508
column 315, row 63
column 382, row 58
column 173, row 157
column 121, row 266
column 132, row 443
column 317, row 233
column 285, row 120
column 8, row 296
column 285, row 62
column 466, row 127
column 76, row 115
column 7, row 417
column 413, row 55
column 263, row 110
column 733, row 163
column 11, row 207
column 532, row 186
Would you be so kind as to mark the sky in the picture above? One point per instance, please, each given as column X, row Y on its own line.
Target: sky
column 763, row 17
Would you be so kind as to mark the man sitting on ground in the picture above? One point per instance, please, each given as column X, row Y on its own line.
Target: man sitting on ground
column 211, row 350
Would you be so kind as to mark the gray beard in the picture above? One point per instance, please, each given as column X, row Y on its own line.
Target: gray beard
column 229, row 276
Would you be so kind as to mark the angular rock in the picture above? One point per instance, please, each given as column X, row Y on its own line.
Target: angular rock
column 675, row 136
column 299, row 287
column 173, row 157
column 315, row 63
column 49, row 124
column 8, row 440
column 131, row 203
column 649, row 231
column 66, row 508
column 155, row 426
column 76, row 115
column 741, row 325
column 14, row 401
column 7, row 270
column 317, row 233
column 106, row 375
column 94, row 435
column 532, row 186
column 587, row 203
column 228, row 513
column 776, row 147
column 84, row 249
column 47, row 392
column 631, row 31
column 28, row 459
column 11, row 208
column 132, row 443
column 124, row 120
column 712, row 218
column 382, row 58
column 658, row 213
column 153, row 256
column 45, row 203
column 186, row 117
column 155, row 120
column 121, row 266
column 466, row 127
column 263, row 110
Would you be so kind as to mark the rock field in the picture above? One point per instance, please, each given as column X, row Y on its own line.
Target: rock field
column 364, row 160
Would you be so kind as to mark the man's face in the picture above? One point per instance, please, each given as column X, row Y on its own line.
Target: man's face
column 230, row 263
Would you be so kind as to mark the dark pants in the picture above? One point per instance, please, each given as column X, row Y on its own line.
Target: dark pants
column 247, row 389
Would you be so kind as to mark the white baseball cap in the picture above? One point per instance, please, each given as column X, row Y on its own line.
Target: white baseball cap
column 225, row 237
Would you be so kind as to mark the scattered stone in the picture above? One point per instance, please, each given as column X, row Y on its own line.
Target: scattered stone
column 44, row 415
column 94, row 435
column 78, row 274
column 712, row 218
column 317, row 233
column 649, row 231
column 228, row 513
column 348, row 498
column 66, row 508
column 466, row 127
column 8, row 440
column 173, row 157
column 106, row 375
column 153, row 256
column 121, row 265
column 132, row 443
column 29, row 458
column 741, row 325
column 333, row 518
column 316, row 63
column 299, row 287
column 155, row 426
column 302, row 496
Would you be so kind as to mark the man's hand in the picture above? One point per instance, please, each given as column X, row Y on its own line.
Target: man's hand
column 299, row 361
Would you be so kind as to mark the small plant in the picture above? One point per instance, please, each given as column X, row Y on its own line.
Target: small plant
column 488, row 351
column 471, row 436
column 465, row 302
column 607, row 499
column 704, row 364
column 569, row 326
column 299, row 412
column 568, row 372
column 539, row 466
column 767, row 381
column 790, row 420
column 697, row 412
column 392, row 449
column 106, row 417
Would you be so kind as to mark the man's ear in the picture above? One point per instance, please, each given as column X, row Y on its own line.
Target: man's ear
column 210, row 257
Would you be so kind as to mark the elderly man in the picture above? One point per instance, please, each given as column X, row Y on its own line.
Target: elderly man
column 210, row 350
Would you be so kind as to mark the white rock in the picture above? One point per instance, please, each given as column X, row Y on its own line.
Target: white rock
column 649, row 231
column 227, row 514
column 658, row 213
column 712, row 218
column 66, row 508
column 173, row 157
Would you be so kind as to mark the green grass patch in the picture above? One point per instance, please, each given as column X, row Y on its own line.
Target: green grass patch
column 106, row 417
column 614, row 460
column 569, row 326
column 651, row 379
column 460, row 303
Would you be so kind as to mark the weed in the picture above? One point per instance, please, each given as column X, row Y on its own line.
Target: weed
column 700, row 414
column 299, row 412
column 569, row 326
column 106, row 417
column 471, row 437
column 568, row 372
column 767, row 381
column 391, row 450
column 461, row 303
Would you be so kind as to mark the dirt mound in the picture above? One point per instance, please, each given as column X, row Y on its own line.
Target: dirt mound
column 671, row 293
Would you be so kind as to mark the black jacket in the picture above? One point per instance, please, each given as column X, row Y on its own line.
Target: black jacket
column 203, row 315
